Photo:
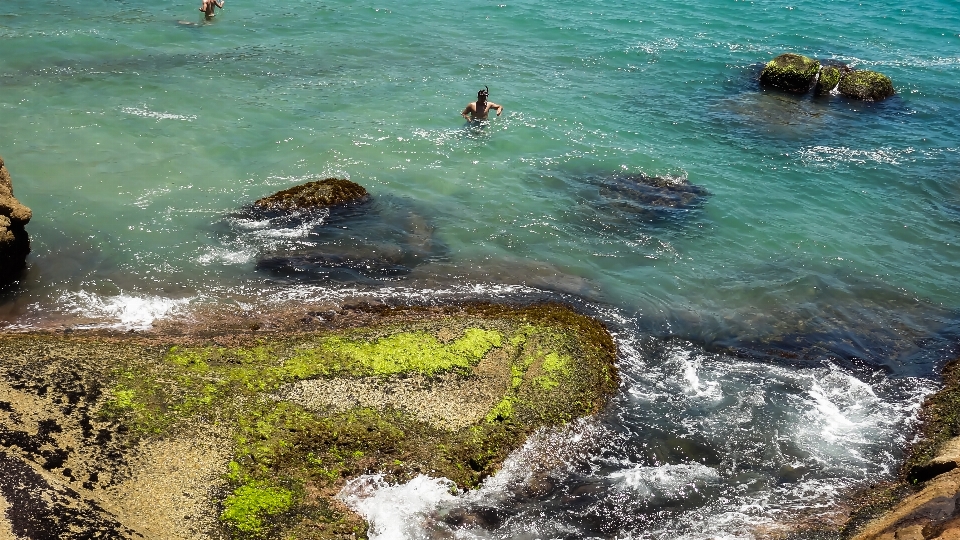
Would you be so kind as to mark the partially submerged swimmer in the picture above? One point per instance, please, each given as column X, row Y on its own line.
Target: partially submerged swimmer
column 207, row 6
column 479, row 109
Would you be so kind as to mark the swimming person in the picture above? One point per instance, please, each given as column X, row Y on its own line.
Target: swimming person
column 206, row 6
column 478, row 109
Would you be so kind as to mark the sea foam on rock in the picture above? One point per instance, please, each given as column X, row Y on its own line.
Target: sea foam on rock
column 14, row 241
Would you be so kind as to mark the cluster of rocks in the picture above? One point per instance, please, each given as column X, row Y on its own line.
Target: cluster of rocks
column 799, row 74
column 14, row 242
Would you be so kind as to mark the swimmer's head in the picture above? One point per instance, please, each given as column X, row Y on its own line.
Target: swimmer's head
column 482, row 95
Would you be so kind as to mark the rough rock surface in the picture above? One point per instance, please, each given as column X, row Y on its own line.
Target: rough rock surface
column 224, row 429
column 866, row 85
column 790, row 72
column 829, row 79
column 314, row 195
column 14, row 242
column 931, row 514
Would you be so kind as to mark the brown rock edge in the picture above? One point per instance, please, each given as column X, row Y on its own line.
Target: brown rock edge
column 14, row 242
column 924, row 502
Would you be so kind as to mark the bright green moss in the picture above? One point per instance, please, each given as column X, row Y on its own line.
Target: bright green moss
column 250, row 504
column 415, row 351
column 829, row 78
column 501, row 411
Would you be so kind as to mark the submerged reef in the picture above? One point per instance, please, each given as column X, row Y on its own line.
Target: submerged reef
column 14, row 241
column 314, row 195
column 240, row 432
column 648, row 199
column 790, row 72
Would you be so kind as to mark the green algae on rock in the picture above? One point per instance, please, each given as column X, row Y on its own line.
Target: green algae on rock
column 866, row 85
column 790, row 72
column 314, row 195
column 288, row 436
column 829, row 79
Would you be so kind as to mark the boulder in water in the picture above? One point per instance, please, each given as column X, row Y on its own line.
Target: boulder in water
column 866, row 85
column 651, row 198
column 829, row 79
column 314, row 195
column 790, row 72
column 14, row 241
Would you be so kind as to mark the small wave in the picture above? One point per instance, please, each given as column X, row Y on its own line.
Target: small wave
column 226, row 256
column 146, row 113
column 843, row 154
column 122, row 311
column 666, row 482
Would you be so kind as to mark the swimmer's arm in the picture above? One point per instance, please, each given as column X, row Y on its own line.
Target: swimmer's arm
column 499, row 108
column 466, row 112
column 219, row 3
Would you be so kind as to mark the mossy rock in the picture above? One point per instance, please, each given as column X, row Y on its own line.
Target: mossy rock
column 829, row 79
column 790, row 72
column 314, row 195
column 257, row 432
column 866, row 85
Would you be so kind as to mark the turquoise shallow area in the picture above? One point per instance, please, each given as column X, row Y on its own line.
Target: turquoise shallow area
column 137, row 132
column 132, row 127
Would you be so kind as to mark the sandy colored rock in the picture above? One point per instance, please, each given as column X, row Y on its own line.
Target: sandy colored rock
column 928, row 510
column 448, row 402
column 6, row 533
column 169, row 493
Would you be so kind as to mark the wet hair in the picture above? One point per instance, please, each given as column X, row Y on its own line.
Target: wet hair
column 483, row 94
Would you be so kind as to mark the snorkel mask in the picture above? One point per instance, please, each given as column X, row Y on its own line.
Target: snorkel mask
column 482, row 95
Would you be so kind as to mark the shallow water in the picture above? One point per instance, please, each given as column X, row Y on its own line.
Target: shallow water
column 811, row 283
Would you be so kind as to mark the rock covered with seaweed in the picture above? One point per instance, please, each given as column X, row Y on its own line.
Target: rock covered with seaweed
column 314, row 195
column 225, row 431
column 790, row 72
column 14, row 241
column 796, row 73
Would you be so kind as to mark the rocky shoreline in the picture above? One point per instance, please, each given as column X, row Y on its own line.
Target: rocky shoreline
column 228, row 429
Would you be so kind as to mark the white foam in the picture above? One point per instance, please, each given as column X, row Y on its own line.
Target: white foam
column 394, row 511
column 147, row 113
column 666, row 482
column 226, row 256
column 124, row 311
column 843, row 154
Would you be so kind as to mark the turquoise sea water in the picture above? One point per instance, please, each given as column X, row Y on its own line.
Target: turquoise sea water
column 137, row 133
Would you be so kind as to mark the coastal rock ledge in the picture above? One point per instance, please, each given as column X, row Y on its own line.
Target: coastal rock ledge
column 924, row 503
column 14, row 242
column 230, row 430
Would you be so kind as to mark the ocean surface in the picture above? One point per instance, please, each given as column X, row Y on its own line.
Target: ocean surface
column 779, row 322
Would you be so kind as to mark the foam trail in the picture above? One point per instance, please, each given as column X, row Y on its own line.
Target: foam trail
column 124, row 311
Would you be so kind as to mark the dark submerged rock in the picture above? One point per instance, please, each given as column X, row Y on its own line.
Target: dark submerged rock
column 314, row 195
column 866, row 85
column 829, row 79
column 14, row 241
column 790, row 72
column 651, row 198
column 385, row 239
